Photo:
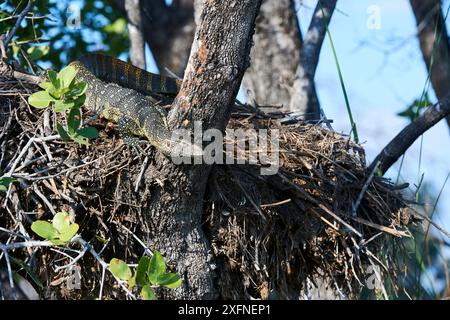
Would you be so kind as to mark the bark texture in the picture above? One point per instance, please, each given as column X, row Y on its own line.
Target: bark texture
column 168, row 30
column 276, row 53
column 304, row 98
column 219, row 57
column 135, row 32
column 433, row 38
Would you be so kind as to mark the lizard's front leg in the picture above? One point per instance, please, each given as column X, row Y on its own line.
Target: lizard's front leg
column 127, row 130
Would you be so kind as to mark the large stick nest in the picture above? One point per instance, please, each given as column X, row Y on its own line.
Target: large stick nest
column 322, row 218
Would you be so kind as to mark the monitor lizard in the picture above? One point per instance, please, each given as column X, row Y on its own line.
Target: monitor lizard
column 120, row 92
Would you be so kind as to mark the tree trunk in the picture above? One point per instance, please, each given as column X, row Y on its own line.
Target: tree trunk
column 168, row 30
column 433, row 38
column 276, row 53
column 135, row 32
column 219, row 57
column 304, row 99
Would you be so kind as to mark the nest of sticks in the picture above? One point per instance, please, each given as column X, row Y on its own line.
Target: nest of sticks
column 322, row 218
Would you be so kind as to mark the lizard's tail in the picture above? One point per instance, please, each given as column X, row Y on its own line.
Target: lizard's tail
column 110, row 69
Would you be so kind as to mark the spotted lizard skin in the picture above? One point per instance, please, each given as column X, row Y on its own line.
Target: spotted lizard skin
column 119, row 92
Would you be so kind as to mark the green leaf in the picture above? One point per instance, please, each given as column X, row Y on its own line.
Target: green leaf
column 69, row 232
column 64, row 135
column 147, row 293
column 120, row 269
column 132, row 281
column 157, row 267
column 5, row 182
column 61, row 221
column 141, row 271
column 40, row 99
column 52, row 75
column 54, row 93
column 29, row 271
column 66, row 76
column 79, row 102
column 169, row 280
column 46, row 85
column 73, row 120
column 88, row 132
column 101, row 239
column 80, row 139
column 38, row 52
column 44, row 229
column 118, row 26
column 63, row 106
column 78, row 89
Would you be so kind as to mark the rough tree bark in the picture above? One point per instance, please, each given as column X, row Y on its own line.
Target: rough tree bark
column 433, row 38
column 218, row 59
column 168, row 30
column 303, row 97
column 275, row 55
column 283, row 64
column 135, row 32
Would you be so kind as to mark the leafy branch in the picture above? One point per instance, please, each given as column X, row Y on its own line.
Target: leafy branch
column 65, row 95
column 149, row 274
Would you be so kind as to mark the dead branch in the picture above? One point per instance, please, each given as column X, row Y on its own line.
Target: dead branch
column 21, row 16
column 402, row 141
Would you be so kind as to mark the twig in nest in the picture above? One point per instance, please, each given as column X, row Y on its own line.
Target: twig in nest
column 257, row 208
column 364, row 188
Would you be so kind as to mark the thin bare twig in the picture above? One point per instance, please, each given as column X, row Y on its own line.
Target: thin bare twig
column 21, row 16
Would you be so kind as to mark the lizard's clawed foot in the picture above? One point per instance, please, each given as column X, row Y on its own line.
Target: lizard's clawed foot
column 135, row 145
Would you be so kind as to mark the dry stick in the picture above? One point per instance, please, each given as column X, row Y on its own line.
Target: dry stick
column 146, row 249
column 21, row 154
column 104, row 265
column 74, row 260
column 364, row 189
column 257, row 208
column 402, row 141
column 2, row 47
column 18, row 22
column 141, row 173
column 76, row 239
column 27, row 77
column 24, row 150
column 44, row 198
column 311, row 199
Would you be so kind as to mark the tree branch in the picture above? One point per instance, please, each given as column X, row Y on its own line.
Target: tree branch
column 137, row 43
column 22, row 15
column 434, row 44
column 219, row 57
column 398, row 146
column 302, row 99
